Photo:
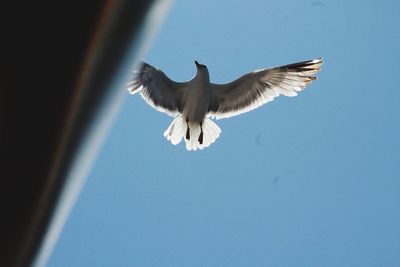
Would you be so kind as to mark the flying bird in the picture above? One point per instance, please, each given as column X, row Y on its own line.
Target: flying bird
column 194, row 103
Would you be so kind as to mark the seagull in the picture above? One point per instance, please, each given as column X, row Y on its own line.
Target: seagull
column 195, row 103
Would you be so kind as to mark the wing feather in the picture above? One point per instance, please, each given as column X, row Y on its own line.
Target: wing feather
column 259, row 87
column 159, row 91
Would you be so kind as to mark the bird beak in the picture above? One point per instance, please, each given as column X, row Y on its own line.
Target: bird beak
column 197, row 63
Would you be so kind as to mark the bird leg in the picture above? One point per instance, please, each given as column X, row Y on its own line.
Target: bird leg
column 201, row 134
column 188, row 129
column 188, row 133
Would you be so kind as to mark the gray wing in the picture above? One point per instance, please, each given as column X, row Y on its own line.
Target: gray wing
column 157, row 89
column 259, row 87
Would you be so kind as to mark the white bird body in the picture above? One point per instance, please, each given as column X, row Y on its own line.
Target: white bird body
column 193, row 103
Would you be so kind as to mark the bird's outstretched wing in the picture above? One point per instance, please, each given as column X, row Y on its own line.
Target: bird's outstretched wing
column 259, row 87
column 157, row 89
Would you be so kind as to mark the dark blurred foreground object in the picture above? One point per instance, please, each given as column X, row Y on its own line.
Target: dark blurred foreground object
column 63, row 66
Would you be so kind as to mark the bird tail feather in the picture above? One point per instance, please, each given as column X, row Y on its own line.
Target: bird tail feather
column 176, row 130
column 198, row 136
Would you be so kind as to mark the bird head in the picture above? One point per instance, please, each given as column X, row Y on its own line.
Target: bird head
column 199, row 66
column 202, row 71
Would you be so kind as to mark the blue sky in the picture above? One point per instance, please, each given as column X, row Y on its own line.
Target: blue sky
column 307, row 181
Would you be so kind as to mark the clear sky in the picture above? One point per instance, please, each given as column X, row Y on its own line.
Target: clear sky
column 307, row 181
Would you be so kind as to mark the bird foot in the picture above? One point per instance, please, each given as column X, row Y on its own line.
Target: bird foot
column 188, row 134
